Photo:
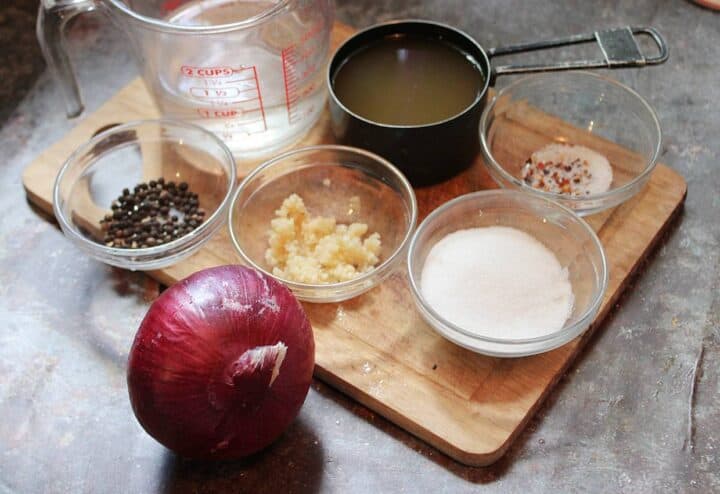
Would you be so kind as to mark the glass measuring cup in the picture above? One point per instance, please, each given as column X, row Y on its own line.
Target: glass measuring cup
column 249, row 70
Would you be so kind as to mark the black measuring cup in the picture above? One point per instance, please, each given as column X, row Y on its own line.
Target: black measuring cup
column 433, row 152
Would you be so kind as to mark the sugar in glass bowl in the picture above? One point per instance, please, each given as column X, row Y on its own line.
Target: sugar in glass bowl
column 326, row 177
column 580, row 108
column 567, row 236
column 125, row 155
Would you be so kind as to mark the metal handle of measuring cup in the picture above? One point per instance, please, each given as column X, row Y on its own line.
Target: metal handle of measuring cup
column 53, row 16
column 619, row 48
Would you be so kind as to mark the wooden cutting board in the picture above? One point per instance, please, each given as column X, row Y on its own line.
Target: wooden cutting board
column 376, row 348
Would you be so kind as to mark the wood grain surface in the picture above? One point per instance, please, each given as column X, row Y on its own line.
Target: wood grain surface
column 376, row 348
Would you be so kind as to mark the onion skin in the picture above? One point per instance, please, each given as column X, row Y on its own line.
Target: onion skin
column 221, row 363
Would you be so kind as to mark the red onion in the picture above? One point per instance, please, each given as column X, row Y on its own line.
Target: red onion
column 221, row 364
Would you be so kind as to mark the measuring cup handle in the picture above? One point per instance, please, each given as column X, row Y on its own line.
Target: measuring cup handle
column 619, row 48
column 52, row 18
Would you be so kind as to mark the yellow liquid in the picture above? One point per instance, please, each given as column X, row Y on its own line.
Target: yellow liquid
column 408, row 80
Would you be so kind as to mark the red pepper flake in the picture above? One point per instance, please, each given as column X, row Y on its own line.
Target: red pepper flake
column 571, row 177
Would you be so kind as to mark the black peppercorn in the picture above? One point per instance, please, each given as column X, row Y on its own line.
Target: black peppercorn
column 148, row 215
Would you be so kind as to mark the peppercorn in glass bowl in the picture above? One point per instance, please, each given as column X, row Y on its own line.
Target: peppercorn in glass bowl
column 331, row 222
column 581, row 139
column 536, row 222
column 145, row 194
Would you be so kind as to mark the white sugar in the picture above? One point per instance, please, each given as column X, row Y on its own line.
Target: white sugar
column 497, row 282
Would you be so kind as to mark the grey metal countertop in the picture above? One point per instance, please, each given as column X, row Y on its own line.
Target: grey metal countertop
column 618, row 422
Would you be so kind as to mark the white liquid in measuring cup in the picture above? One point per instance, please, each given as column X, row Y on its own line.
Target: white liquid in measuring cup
column 258, row 88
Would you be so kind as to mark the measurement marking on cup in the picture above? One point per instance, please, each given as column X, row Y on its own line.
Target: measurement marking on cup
column 298, row 66
column 191, row 71
column 236, row 81
column 229, row 93
column 285, row 63
column 206, row 113
column 233, row 125
column 257, row 85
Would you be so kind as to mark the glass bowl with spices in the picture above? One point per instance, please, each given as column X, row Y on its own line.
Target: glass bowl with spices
column 331, row 222
column 581, row 139
column 145, row 194
column 507, row 274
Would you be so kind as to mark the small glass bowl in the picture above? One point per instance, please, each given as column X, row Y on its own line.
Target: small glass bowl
column 574, row 108
column 326, row 177
column 124, row 155
column 571, row 239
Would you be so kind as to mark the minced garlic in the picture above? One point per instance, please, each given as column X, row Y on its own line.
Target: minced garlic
column 316, row 249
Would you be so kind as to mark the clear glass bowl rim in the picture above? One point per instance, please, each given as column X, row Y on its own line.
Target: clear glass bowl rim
column 612, row 193
column 183, row 242
column 567, row 331
column 327, row 147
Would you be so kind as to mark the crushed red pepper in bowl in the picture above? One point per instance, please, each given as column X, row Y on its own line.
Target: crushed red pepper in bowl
column 567, row 169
